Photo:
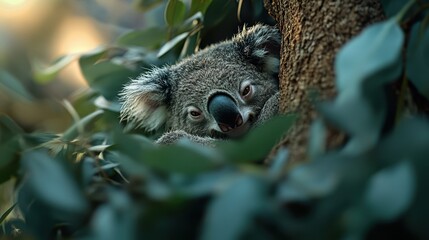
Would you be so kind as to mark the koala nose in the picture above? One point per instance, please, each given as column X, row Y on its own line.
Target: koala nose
column 225, row 111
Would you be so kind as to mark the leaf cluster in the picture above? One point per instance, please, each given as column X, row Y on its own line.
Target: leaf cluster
column 95, row 181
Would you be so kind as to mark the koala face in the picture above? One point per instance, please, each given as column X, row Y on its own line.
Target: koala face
column 217, row 92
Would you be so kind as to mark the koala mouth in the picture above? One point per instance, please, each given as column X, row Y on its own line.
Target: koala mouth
column 240, row 129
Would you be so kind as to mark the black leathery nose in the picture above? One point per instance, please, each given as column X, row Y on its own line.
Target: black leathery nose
column 223, row 108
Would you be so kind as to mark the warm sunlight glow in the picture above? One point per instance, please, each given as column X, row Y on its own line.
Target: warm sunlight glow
column 24, row 16
column 13, row 2
column 75, row 35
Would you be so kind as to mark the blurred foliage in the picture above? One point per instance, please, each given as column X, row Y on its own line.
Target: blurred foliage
column 93, row 181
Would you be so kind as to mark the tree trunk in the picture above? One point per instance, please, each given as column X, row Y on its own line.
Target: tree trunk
column 313, row 32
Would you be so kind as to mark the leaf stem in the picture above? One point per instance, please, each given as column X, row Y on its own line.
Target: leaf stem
column 404, row 10
column 400, row 103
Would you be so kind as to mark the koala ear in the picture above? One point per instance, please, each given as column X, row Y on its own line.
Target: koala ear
column 260, row 45
column 145, row 99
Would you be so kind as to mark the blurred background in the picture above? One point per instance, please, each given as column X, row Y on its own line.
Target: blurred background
column 36, row 33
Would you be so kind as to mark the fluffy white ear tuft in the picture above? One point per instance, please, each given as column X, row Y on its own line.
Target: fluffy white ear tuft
column 145, row 100
column 260, row 45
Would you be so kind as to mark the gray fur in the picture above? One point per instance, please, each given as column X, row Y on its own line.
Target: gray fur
column 165, row 96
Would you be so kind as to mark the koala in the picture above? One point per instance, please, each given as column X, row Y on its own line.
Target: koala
column 220, row 92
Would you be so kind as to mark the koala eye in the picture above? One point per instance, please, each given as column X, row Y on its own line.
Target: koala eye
column 195, row 114
column 246, row 91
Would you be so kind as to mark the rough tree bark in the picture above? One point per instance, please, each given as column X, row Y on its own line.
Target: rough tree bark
column 313, row 32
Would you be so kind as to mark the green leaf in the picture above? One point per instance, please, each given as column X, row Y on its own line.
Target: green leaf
column 392, row 7
column 279, row 163
column 104, row 104
column 200, row 6
column 9, row 161
column 218, row 11
column 73, row 131
column 418, row 59
column 190, row 46
column 378, row 47
column 259, row 142
column 5, row 214
column 172, row 43
column 207, row 183
column 8, row 128
column 186, row 157
column 52, row 183
column 103, row 76
column 317, row 140
column 38, row 138
column 231, row 213
column 45, row 75
column 146, row 5
column 10, row 146
column 409, row 140
column 14, row 86
column 192, row 22
column 257, row 7
column 315, row 179
column 363, row 66
column 175, row 12
column 358, row 118
column 115, row 220
column 149, row 38
column 391, row 191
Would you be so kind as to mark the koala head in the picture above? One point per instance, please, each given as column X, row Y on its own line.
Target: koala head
column 217, row 92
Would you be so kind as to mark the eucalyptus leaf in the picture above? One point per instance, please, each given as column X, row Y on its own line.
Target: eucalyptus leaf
column 217, row 11
column 279, row 163
column 418, row 59
column 104, row 76
column 52, row 183
column 73, row 131
column 231, row 213
column 317, row 140
column 391, row 191
column 207, row 183
column 105, row 104
column 192, row 23
column 313, row 180
column 10, row 147
column 115, row 220
column 147, row 5
column 363, row 66
column 409, row 140
column 190, row 46
column 378, row 47
column 200, row 6
column 175, row 12
column 186, row 157
column 9, row 160
column 259, row 142
column 38, row 138
column 172, row 43
column 356, row 116
column 4, row 215
column 181, row 159
column 392, row 7
column 14, row 86
column 45, row 75
column 149, row 38
column 8, row 128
